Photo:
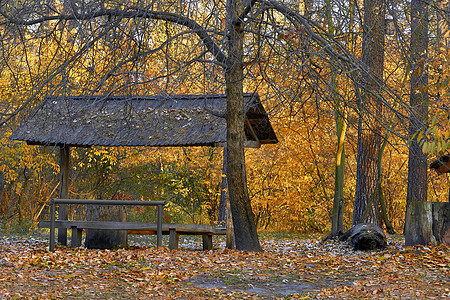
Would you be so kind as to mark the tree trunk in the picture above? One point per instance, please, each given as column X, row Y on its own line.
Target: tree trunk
column 441, row 222
column 106, row 239
column 4, row 204
column 384, row 216
column 246, row 236
column 417, row 160
column 427, row 222
column 337, row 218
column 27, row 173
column 366, row 206
column 379, row 193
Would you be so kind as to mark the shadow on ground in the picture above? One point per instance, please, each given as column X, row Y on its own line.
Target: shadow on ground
column 273, row 287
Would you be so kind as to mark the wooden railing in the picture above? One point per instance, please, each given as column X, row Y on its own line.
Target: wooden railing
column 54, row 202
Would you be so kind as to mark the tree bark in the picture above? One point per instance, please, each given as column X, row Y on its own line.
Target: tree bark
column 417, row 160
column 337, row 218
column 366, row 206
column 246, row 236
column 379, row 193
column 427, row 222
column 105, row 239
column 366, row 236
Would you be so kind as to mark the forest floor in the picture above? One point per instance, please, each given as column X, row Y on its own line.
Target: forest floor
column 291, row 267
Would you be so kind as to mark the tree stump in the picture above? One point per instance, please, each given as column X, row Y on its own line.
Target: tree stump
column 427, row 222
column 366, row 236
column 105, row 239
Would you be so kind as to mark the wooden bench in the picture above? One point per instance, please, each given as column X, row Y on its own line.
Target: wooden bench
column 173, row 230
column 158, row 228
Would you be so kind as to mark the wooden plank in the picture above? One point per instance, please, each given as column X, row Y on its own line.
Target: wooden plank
column 151, row 227
column 110, row 202
column 251, row 143
column 174, row 230
column 101, row 225
column 62, row 231
column 142, row 232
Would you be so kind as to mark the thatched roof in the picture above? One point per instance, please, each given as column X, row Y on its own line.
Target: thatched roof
column 184, row 120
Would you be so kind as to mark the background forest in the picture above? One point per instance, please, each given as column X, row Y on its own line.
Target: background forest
column 312, row 103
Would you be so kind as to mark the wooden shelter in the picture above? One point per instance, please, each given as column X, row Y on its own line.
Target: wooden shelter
column 441, row 165
column 157, row 121
column 432, row 217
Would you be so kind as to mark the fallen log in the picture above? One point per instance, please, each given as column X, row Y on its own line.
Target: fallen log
column 366, row 236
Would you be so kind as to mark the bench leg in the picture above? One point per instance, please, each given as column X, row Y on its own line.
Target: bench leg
column 173, row 239
column 207, row 241
column 76, row 237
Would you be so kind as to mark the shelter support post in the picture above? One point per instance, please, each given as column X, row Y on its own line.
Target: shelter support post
column 230, row 241
column 52, row 225
column 222, row 215
column 159, row 226
column 64, row 162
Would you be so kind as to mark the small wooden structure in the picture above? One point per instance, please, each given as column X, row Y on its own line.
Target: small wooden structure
column 429, row 222
column 441, row 165
column 77, row 227
column 156, row 121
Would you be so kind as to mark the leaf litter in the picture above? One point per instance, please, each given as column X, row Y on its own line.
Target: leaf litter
column 289, row 268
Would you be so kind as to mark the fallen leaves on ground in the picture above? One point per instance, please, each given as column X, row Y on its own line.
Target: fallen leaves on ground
column 288, row 268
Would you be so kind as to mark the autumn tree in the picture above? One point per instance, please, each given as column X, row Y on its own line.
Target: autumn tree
column 265, row 46
column 417, row 169
column 102, row 27
column 87, row 14
column 370, row 105
column 341, row 117
column 416, row 229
